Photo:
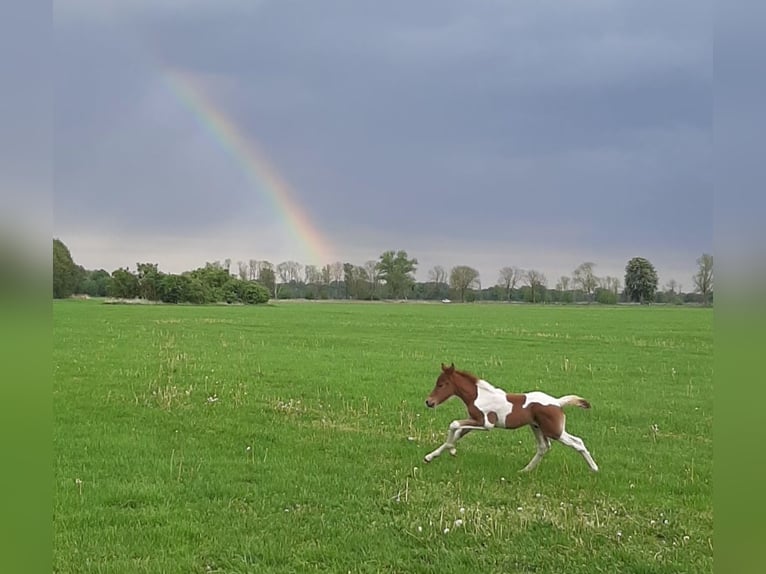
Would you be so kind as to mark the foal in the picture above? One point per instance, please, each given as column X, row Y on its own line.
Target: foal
column 490, row 407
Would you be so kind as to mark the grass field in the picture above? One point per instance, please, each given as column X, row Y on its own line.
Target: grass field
column 290, row 438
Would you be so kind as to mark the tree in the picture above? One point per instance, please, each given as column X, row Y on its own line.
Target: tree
column 174, row 288
column 355, row 280
column 437, row 286
column 349, row 279
column 243, row 271
column 372, row 275
column 537, row 282
column 283, row 272
column 565, row 295
column 584, row 277
column 509, row 276
column 336, row 277
column 326, row 274
column 94, row 283
column 293, row 271
column 640, row 280
column 313, row 279
column 396, row 270
column 149, row 278
column 671, row 287
column 66, row 275
column 267, row 277
column 671, row 293
column 123, row 284
column 253, row 267
column 703, row 280
column 462, row 278
column 438, row 274
column 609, row 283
column 312, row 274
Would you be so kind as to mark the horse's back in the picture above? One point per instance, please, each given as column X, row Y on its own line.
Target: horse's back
column 519, row 416
column 536, row 408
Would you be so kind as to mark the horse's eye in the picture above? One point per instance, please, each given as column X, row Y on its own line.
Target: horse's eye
column 440, row 384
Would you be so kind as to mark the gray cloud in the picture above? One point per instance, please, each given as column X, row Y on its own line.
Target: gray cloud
column 508, row 131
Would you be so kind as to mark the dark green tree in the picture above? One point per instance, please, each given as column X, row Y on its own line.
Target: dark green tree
column 640, row 280
column 174, row 288
column 197, row 292
column 94, row 283
column 123, row 284
column 66, row 275
column 212, row 277
column 252, row 293
column 230, row 291
column 396, row 269
column 149, row 278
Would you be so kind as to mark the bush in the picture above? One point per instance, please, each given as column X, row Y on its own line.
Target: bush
column 606, row 297
column 253, row 293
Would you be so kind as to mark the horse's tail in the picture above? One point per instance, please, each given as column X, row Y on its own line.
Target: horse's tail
column 573, row 400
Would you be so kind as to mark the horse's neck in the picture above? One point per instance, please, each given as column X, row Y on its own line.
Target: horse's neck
column 467, row 391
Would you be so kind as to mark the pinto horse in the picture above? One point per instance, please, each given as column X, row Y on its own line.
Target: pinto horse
column 490, row 407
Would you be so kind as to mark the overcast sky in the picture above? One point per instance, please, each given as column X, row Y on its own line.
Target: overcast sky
column 534, row 133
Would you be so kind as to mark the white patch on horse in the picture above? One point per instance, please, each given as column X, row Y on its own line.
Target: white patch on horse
column 491, row 399
column 540, row 398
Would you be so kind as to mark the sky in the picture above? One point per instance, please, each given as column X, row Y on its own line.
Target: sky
column 535, row 134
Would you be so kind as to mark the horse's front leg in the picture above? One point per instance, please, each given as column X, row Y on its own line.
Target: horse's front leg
column 460, row 433
column 456, row 429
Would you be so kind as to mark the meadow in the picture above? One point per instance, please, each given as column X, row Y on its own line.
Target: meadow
column 290, row 438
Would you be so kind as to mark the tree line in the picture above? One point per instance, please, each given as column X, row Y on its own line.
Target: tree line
column 391, row 276
column 209, row 284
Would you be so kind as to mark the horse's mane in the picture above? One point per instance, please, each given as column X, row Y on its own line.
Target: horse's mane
column 470, row 376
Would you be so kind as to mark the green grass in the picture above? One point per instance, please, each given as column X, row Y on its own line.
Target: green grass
column 290, row 438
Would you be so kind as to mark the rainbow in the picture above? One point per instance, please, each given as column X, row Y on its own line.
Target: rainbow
column 259, row 171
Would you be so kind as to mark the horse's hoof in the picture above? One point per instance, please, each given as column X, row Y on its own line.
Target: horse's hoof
column 426, row 460
column 453, row 452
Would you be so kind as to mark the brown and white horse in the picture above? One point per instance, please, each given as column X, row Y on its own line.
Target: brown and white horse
column 490, row 407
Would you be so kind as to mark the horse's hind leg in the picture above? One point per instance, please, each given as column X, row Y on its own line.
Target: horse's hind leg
column 543, row 444
column 577, row 444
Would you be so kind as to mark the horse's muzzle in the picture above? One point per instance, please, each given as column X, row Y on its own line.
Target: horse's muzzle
column 429, row 404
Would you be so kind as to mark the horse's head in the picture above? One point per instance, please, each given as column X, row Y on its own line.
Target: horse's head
column 445, row 387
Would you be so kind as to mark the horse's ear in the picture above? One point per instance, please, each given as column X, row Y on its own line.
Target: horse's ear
column 448, row 370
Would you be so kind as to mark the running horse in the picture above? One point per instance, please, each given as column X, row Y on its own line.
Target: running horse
column 490, row 407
